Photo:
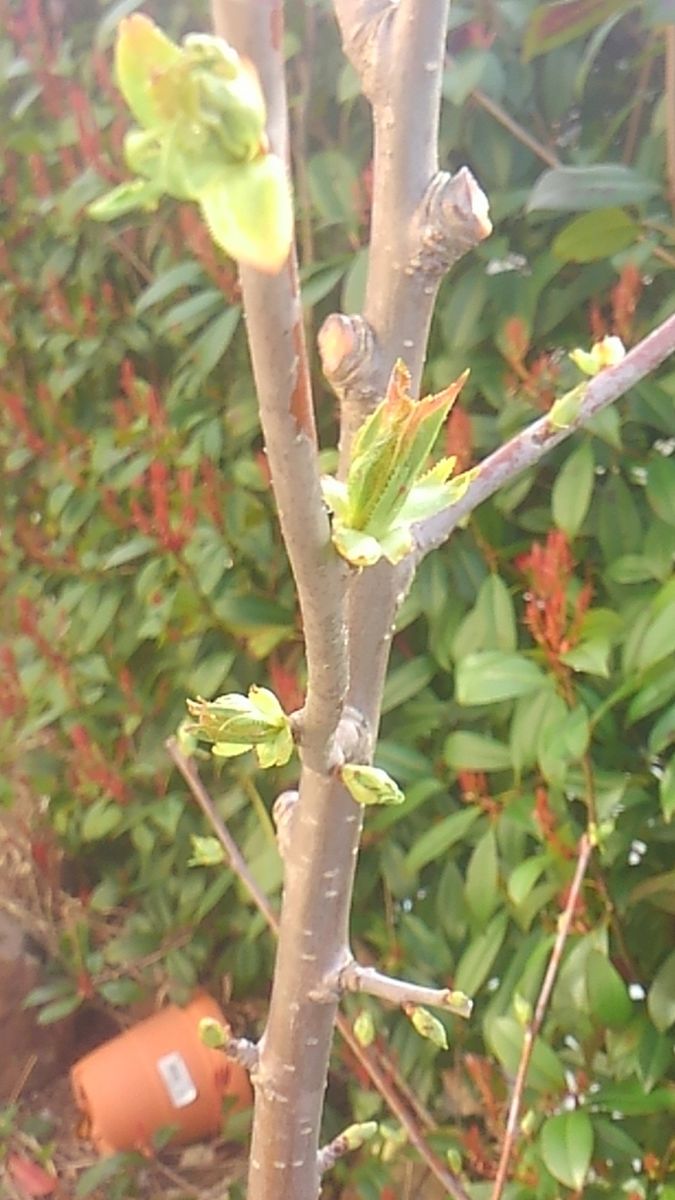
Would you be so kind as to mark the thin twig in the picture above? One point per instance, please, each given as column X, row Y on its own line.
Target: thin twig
column 390, row 1095
column 404, row 1089
column 534, row 1027
column 495, row 110
column 24, row 1076
column 355, row 978
column 661, row 253
column 235, row 858
column 367, row 1059
column 189, row 1189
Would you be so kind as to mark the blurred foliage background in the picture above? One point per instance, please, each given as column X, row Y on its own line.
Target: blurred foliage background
column 532, row 686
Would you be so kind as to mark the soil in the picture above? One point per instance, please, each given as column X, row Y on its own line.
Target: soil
column 43, row 1146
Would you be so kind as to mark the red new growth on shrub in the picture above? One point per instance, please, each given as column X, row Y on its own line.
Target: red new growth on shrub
column 459, row 438
column 553, row 623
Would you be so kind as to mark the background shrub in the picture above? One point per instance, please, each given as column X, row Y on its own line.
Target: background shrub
column 532, row 676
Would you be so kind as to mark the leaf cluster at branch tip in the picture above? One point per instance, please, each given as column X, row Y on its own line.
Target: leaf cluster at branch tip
column 234, row 724
column 202, row 137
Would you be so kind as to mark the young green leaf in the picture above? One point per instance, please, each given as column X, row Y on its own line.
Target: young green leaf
column 567, row 1147
column 236, row 723
column 138, row 194
column 387, row 487
column 142, row 53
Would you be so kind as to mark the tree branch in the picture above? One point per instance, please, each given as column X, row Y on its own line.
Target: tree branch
column 355, row 978
column 379, row 1079
column 534, row 1027
column 281, row 370
column 528, row 447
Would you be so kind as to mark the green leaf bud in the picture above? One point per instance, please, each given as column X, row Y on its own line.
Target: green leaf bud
column 364, row 1028
column 370, row 785
column 206, row 852
column 213, row 1034
column 355, row 1136
column 427, row 1025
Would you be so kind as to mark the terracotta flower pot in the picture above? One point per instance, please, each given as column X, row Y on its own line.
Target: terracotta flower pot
column 156, row 1074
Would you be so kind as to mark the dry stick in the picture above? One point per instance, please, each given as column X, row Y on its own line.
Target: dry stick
column 190, row 774
column 533, row 1029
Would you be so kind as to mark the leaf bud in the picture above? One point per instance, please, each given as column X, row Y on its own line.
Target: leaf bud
column 370, row 785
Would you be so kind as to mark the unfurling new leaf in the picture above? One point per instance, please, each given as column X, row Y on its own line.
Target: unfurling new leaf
column 566, row 409
column 234, row 724
column 606, row 353
column 388, row 487
column 370, row 785
column 202, row 138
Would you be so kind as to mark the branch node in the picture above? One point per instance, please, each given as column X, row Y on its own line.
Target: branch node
column 364, row 28
column 283, row 811
column 347, row 349
column 244, row 1052
column 452, row 219
column 353, row 739
column 331, row 987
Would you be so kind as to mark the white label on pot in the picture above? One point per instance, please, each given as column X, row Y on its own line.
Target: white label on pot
column 177, row 1079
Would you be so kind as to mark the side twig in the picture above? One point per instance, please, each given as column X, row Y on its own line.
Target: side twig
column 378, row 1074
column 530, row 445
column 534, row 1027
column 355, row 978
